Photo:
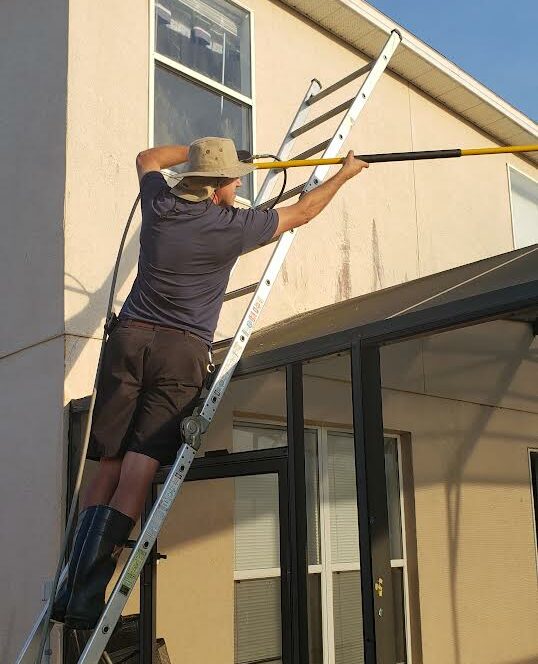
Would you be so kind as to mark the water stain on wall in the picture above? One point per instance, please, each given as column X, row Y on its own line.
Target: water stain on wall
column 378, row 276
column 343, row 285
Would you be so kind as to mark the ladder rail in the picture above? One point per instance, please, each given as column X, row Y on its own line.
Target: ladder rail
column 285, row 148
column 193, row 427
column 101, row 634
column 29, row 651
column 259, row 298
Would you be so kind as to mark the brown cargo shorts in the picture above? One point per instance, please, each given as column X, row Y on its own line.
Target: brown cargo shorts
column 151, row 378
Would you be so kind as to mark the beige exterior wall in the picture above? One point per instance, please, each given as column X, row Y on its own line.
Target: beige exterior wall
column 469, row 400
column 393, row 224
column 33, row 75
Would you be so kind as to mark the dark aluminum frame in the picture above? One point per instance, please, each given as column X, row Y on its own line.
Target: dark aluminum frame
column 363, row 343
column 259, row 462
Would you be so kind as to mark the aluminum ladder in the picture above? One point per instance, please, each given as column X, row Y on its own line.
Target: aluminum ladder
column 193, row 427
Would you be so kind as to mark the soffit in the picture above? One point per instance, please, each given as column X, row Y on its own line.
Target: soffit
column 365, row 28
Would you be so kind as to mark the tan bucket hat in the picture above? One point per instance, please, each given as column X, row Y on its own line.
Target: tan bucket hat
column 210, row 159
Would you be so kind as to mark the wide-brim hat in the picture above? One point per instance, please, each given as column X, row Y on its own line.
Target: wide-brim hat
column 214, row 157
column 210, row 159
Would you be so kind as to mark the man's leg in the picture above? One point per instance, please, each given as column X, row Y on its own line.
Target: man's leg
column 137, row 473
column 102, row 486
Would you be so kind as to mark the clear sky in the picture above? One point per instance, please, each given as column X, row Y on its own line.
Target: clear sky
column 495, row 41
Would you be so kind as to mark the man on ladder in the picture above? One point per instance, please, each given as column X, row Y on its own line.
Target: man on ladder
column 158, row 351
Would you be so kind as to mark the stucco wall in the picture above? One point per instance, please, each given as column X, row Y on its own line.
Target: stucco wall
column 468, row 399
column 33, row 70
column 33, row 461
column 107, row 127
column 33, row 75
column 394, row 223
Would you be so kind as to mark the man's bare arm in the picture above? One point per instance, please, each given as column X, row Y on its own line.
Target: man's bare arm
column 164, row 156
column 312, row 203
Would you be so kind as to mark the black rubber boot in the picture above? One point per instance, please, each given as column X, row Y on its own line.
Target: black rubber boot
column 64, row 591
column 96, row 564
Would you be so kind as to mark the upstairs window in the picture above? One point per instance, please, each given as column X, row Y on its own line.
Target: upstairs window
column 203, row 74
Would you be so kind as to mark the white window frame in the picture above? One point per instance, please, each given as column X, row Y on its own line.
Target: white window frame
column 327, row 568
column 204, row 81
column 510, row 168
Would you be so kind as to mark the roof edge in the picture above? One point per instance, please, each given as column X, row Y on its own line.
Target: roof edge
column 436, row 59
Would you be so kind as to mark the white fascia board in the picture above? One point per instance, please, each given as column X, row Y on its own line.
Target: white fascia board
column 427, row 53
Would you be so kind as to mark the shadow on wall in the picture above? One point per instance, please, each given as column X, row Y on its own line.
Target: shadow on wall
column 466, row 437
column 90, row 318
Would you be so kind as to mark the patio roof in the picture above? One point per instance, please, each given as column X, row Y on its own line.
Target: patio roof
column 501, row 285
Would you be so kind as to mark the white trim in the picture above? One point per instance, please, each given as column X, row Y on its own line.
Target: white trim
column 315, row 569
column 327, row 604
column 345, row 567
column 151, row 75
column 200, row 79
column 253, row 115
column 436, row 60
column 510, row 168
column 197, row 77
column 533, row 450
column 407, row 608
column 249, row 574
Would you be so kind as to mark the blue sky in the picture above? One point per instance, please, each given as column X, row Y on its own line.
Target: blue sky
column 495, row 41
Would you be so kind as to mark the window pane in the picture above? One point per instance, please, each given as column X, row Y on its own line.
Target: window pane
column 524, row 194
column 257, row 541
column 185, row 111
column 257, row 621
column 315, row 636
column 257, row 437
column 343, row 499
column 399, row 614
column 348, row 636
column 393, row 497
column 212, row 37
column 312, row 497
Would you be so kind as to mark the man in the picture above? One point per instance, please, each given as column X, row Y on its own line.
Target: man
column 156, row 357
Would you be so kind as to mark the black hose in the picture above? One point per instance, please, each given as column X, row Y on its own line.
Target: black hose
column 243, row 155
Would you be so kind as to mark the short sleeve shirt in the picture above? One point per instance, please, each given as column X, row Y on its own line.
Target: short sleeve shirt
column 187, row 251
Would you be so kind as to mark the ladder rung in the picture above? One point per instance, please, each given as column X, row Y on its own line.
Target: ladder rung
column 339, row 84
column 322, row 118
column 312, row 151
column 285, row 196
column 240, row 292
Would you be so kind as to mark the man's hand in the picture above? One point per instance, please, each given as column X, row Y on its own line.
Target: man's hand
column 352, row 166
column 312, row 203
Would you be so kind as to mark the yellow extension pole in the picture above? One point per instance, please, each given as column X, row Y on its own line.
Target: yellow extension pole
column 398, row 156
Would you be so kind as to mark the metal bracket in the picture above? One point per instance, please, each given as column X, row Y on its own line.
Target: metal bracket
column 192, row 430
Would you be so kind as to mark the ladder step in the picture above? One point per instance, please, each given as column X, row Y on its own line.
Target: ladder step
column 322, row 118
column 285, row 196
column 239, row 292
column 339, row 84
column 314, row 150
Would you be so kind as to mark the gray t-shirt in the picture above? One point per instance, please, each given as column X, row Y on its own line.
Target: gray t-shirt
column 186, row 253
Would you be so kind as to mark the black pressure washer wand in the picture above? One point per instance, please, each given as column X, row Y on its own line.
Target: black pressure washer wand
column 399, row 156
